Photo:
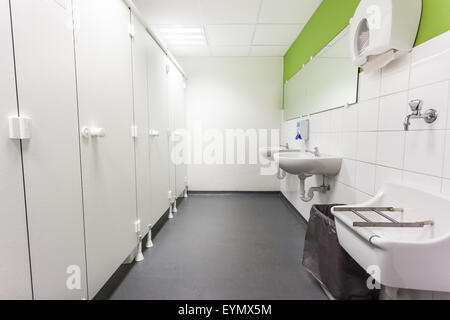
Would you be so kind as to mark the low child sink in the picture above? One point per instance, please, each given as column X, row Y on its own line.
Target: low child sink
column 408, row 257
column 302, row 163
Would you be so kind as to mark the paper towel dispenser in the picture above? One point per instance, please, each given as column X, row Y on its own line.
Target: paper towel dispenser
column 383, row 30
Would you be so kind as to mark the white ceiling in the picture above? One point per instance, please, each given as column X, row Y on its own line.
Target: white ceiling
column 231, row 27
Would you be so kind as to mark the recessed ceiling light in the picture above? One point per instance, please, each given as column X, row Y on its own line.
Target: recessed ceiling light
column 179, row 36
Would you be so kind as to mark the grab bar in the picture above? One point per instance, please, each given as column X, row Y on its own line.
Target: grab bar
column 379, row 210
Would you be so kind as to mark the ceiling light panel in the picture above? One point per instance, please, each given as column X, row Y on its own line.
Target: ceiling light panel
column 177, row 35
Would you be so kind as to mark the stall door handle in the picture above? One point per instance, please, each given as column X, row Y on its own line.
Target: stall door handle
column 93, row 132
column 154, row 133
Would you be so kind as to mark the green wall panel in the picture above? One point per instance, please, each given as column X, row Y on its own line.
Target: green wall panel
column 333, row 15
column 435, row 19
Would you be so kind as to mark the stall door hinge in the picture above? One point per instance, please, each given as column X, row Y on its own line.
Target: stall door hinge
column 19, row 128
column 134, row 132
column 131, row 31
column 137, row 226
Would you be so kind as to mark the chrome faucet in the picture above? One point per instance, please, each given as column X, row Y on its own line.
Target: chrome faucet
column 285, row 146
column 429, row 116
column 315, row 152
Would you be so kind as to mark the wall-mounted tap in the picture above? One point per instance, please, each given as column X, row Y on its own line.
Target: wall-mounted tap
column 315, row 152
column 429, row 116
column 286, row 146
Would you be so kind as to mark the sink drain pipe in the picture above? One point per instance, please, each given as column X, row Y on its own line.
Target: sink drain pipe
column 281, row 174
column 307, row 198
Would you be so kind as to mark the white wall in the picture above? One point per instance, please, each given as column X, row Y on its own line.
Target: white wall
column 370, row 137
column 231, row 93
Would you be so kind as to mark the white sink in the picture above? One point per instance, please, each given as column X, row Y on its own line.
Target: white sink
column 268, row 153
column 409, row 258
column 302, row 163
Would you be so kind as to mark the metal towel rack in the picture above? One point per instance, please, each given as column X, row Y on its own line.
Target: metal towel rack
column 380, row 211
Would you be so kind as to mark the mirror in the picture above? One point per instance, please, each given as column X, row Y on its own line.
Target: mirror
column 328, row 81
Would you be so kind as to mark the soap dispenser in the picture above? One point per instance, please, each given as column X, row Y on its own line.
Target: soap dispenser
column 299, row 134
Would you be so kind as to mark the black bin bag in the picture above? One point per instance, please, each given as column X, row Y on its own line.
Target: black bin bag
column 329, row 263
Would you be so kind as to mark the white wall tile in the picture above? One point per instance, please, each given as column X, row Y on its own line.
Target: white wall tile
column 335, row 143
column 395, row 76
column 314, row 123
column 393, row 110
column 446, row 173
column 424, row 152
column 350, row 121
column 349, row 145
column 367, row 147
column 347, row 174
column 446, row 187
column 434, row 96
column 368, row 115
column 390, row 149
column 384, row 175
column 431, row 61
column 369, row 85
column 365, row 177
column 361, row 197
column 336, row 120
column 421, row 181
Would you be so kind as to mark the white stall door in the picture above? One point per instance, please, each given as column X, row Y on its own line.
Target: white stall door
column 47, row 93
column 15, row 278
column 178, row 123
column 159, row 127
column 103, row 52
column 141, row 47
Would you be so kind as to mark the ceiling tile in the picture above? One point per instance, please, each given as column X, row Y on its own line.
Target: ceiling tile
column 287, row 11
column 190, row 51
column 171, row 11
column 231, row 11
column 276, row 34
column 268, row 51
column 230, row 35
column 230, row 51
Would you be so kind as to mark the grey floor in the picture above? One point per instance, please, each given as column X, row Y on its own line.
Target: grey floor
column 231, row 247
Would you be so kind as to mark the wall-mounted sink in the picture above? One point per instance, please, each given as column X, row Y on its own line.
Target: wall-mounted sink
column 268, row 153
column 302, row 163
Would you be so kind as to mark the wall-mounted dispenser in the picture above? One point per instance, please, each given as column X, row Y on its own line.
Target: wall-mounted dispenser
column 383, row 30
column 302, row 130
